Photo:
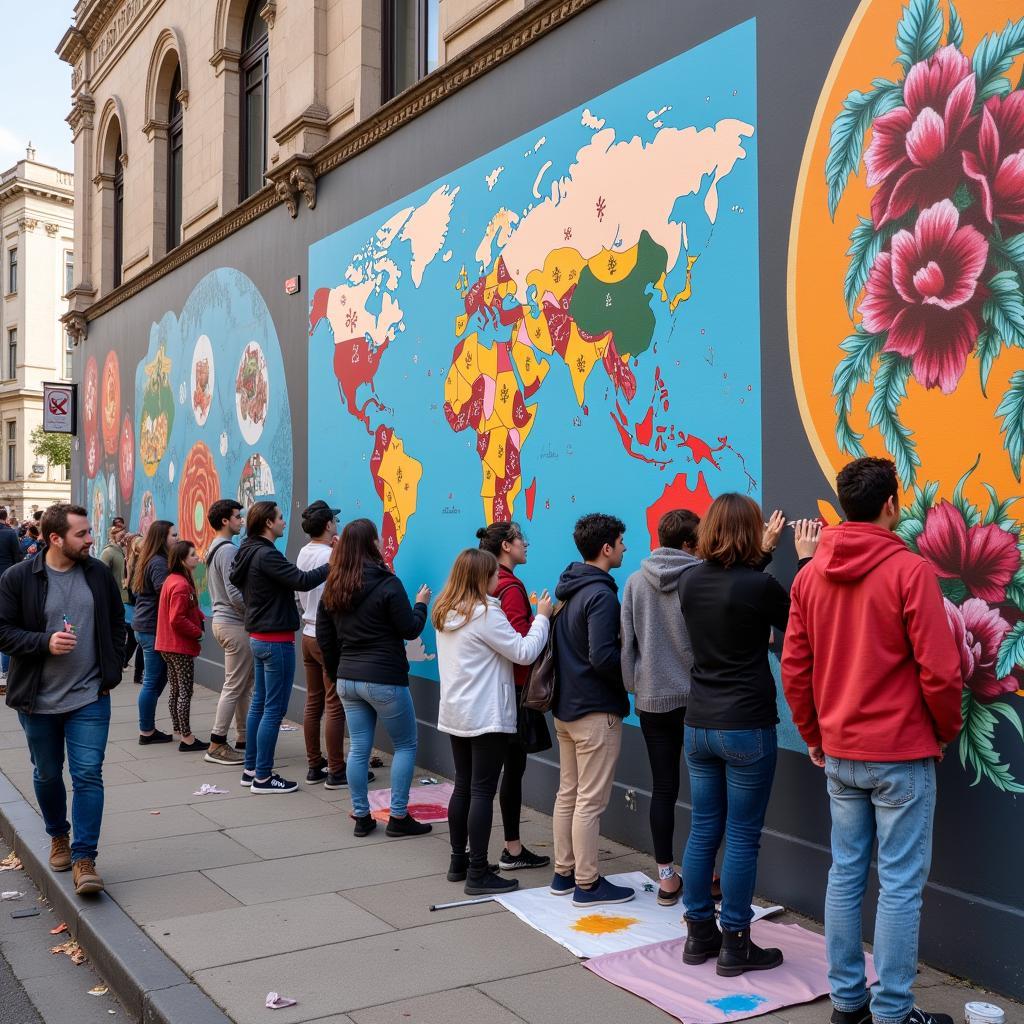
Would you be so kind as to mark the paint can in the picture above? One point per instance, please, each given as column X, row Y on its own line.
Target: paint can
column 983, row 1013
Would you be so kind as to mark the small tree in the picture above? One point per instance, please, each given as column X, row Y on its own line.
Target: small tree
column 55, row 448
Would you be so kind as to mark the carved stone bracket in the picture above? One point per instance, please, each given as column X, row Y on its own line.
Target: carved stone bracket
column 52, row 228
column 294, row 178
column 268, row 12
column 76, row 325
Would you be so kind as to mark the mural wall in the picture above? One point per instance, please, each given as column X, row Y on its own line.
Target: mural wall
column 568, row 323
column 207, row 417
column 907, row 317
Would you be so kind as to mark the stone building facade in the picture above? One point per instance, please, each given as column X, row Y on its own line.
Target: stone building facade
column 37, row 239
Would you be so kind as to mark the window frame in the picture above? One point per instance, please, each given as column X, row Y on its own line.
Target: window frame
column 12, row 270
column 12, row 354
column 69, row 271
column 387, row 37
column 11, row 440
column 69, row 356
column 175, row 145
column 256, row 55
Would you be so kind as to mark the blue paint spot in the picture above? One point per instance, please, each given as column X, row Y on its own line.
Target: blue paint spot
column 738, row 1003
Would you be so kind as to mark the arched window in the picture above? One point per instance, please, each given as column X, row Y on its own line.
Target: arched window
column 118, row 212
column 254, row 67
column 174, row 163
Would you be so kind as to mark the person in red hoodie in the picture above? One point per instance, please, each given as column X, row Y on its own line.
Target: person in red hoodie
column 872, row 676
column 506, row 542
column 179, row 628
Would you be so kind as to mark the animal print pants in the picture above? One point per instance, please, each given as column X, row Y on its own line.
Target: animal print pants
column 181, row 677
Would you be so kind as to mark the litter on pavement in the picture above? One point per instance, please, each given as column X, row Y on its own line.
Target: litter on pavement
column 207, row 789
column 62, row 927
column 279, row 1002
column 12, row 862
column 11, row 895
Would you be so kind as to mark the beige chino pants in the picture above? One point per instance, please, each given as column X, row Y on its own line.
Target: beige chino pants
column 238, row 679
column 588, row 751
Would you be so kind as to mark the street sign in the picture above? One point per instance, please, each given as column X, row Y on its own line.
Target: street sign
column 291, row 285
column 60, row 408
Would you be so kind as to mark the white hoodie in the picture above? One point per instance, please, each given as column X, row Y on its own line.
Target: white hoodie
column 474, row 661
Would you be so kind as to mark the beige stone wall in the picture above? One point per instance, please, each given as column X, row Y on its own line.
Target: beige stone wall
column 36, row 217
column 325, row 76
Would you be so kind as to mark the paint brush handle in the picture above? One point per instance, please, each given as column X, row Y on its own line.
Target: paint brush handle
column 460, row 903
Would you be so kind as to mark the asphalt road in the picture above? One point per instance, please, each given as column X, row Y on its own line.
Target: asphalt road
column 37, row 986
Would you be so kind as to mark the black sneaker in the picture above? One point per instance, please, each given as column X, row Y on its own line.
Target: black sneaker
column 247, row 778
column 315, row 776
column 458, row 867
column 239, row 744
column 490, row 884
column 524, row 859
column 275, row 784
column 919, row 1016
column 861, row 1016
column 339, row 781
column 407, row 826
column 156, row 736
column 364, row 826
column 196, row 745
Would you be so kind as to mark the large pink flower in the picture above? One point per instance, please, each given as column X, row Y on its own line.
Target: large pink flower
column 983, row 558
column 925, row 294
column 916, row 150
column 978, row 630
column 997, row 162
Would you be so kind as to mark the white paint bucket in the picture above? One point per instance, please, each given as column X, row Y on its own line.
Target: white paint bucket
column 983, row 1013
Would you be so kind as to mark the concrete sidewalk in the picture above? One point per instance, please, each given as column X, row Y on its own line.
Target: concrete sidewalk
column 250, row 895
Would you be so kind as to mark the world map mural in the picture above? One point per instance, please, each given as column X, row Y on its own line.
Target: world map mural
column 567, row 324
column 907, row 317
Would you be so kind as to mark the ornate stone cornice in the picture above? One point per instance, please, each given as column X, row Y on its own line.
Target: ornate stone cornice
column 82, row 114
column 535, row 22
column 268, row 12
column 76, row 324
column 225, row 60
column 314, row 118
column 293, row 178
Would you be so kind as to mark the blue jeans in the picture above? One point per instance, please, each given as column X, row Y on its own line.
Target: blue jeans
column 154, row 679
column 731, row 773
column 892, row 802
column 84, row 731
column 364, row 703
column 5, row 662
column 273, row 675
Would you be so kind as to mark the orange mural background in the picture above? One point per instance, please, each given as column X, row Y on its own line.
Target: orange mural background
column 950, row 430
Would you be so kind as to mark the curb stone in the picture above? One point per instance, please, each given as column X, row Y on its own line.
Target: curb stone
column 146, row 981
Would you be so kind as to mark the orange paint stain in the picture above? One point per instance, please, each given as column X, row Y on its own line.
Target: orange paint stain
column 601, row 924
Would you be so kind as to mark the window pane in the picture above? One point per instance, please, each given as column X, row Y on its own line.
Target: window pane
column 10, row 461
column 254, row 137
column 12, row 430
column 12, row 270
column 174, row 198
column 404, row 55
column 12, row 355
column 69, row 270
column 433, row 42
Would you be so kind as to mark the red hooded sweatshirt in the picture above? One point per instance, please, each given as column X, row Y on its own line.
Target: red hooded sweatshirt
column 869, row 666
column 515, row 603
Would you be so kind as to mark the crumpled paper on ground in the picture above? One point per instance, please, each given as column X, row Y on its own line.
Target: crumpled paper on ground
column 10, row 894
column 279, row 1002
column 208, row 789
column 72, row 950
column 12, row 862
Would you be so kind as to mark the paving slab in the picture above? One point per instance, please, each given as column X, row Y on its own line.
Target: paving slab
column 146, row 795
column 399, row 965
column 149, row 858
column 180, row 766
column 453, row 1007
column 332, row 871
column 133, row 826
column 258, row 810
column 571, row 995
column 406, row 903
column 329, row 831
column 153, row 899
column 214, row 938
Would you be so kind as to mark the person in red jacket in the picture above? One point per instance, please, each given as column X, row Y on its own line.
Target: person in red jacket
column 506, row 542
column 179, row 629
column 873, row 679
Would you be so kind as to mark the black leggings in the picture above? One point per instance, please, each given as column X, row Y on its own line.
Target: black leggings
column 478, row 761
column 663, row 734
column 510, row 796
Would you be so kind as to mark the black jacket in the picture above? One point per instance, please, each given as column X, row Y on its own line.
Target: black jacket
column 589, row 676
column 269, row 581
column 147, row 600
column 23, row 627
column 10, row 548
column 729, row 615
column 367, row 642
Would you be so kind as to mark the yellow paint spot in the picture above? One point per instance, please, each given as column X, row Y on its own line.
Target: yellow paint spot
column 602, row 924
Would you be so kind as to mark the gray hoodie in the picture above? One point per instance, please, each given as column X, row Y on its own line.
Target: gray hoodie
column 656, row 652
column 227, row 600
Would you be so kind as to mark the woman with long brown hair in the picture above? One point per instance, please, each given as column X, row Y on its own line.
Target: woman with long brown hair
column 131, row 544
column 731, row 606
column 477, row 647
column 362, row 624
column 147, row 579
column 179, row 630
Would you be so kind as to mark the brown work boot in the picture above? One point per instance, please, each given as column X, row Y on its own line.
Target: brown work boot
column 85, row 877
column 60, row 853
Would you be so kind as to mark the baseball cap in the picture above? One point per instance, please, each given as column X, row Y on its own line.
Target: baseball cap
column 319, row 507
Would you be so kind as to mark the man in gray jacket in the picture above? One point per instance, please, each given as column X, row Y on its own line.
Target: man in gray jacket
column 656, row 663
column 229, row 630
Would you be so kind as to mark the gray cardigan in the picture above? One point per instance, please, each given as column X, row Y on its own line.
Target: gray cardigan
column 656, row 652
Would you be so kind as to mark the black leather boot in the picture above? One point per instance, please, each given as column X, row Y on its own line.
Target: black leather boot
column 739, row 955
column 458, row 867
column 703, row 940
